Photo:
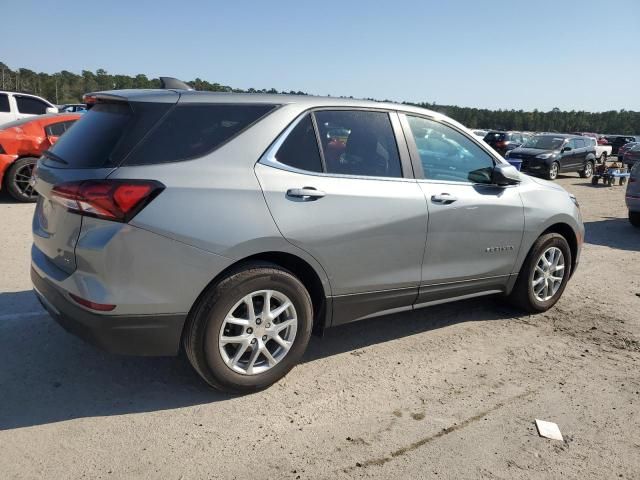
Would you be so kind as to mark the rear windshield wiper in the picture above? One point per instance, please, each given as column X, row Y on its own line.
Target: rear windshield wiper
column 54, row 157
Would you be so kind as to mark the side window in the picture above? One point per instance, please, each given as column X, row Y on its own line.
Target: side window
column 571, row 144
column 357, row 142
column 193, row 130
column 4, row 103
column 446, row 154
column 68, row 124
column 31, row 105
column 55, row 129
column 579, row 143
column 300, row 149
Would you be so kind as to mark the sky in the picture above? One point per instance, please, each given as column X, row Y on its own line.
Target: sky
column 574, row 55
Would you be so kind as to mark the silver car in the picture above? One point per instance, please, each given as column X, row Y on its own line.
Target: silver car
column 632, row 196
column 234, row 225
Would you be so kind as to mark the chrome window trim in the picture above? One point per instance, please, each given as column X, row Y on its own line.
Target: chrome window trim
column 269, row 157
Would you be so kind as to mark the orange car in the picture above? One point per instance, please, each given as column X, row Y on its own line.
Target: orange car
column 21, row 143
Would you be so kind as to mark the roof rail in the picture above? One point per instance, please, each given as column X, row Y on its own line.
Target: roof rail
column 167, row 83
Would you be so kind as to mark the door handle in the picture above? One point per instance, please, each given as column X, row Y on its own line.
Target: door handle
column 443, row 198
column 305, row 193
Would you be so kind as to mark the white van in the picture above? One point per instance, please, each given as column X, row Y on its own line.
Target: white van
column 14, row 106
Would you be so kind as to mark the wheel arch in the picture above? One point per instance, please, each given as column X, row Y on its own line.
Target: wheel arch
column 300, row 268
column 570, row 236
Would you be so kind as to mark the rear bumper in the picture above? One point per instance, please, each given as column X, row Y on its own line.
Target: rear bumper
column 152, row 335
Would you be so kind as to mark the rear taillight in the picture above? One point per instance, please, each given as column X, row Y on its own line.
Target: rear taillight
column 117, row 200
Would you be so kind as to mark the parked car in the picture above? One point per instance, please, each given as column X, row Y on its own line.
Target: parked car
column 623, row 149
column 480, row 134
column 15, row 106
column 21, row 143
column 502, row 142
column 632, row 196
column 603, row 150
column 549, row 155
column 72, row 108
column 631, row 156
column 617, row 141
column 227, row 223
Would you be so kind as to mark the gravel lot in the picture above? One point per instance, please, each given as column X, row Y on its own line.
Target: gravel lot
column 446, row 392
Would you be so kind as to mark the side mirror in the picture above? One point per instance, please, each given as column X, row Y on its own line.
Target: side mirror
column 51, row 110
column 504, row 175
column 565, row 149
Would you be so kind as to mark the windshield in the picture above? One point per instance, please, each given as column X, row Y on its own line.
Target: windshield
column 544, row 142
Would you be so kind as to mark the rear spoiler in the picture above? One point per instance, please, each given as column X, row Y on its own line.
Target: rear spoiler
column 166, row 83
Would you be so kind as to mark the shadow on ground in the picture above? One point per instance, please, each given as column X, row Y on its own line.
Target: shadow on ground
column 613, row 232
column 49, row 376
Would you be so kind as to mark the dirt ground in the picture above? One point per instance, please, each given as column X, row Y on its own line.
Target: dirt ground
column 446, row 392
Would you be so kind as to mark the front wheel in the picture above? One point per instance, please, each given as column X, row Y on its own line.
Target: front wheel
column 552, row 174
column 544, row 274
column 588, row 170
column 249, row 329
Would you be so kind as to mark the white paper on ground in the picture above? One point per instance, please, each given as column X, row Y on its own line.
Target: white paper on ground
column 548, row 430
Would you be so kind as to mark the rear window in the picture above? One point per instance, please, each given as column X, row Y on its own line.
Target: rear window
column 193, row 130
column 93, row 139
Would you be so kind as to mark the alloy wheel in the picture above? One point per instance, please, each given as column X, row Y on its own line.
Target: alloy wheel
column 588, row 169
column 553, row 171
column 21, row 181
column 548, row 274
column 258, row 332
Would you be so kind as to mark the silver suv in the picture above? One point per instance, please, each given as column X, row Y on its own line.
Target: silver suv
column 233, row 225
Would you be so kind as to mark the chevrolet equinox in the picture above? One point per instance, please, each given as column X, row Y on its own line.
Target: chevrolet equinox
column 232, row 225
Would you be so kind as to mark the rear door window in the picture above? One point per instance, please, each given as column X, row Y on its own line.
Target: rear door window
column 4, row 103
column 300, row 149
column 31, row 105
column 579, row 142
column 193, row 130
column 358, row 142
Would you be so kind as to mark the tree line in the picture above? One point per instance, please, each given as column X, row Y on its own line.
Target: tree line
column 68, row 87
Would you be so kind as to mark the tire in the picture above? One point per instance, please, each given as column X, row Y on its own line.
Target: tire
column 554, row 168
column 594, row 180
column 523, row 295
column 587, row 172
column 204, row 328
column 634, row 218
column 15, row 180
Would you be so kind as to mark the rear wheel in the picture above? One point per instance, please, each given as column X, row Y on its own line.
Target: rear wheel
column 552, row 174
column 544, row 274
column 634, row 218
column 588, row 170
column 17, row 180
column 249, row 329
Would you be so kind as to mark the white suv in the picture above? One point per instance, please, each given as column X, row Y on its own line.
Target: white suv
column 14, row 106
